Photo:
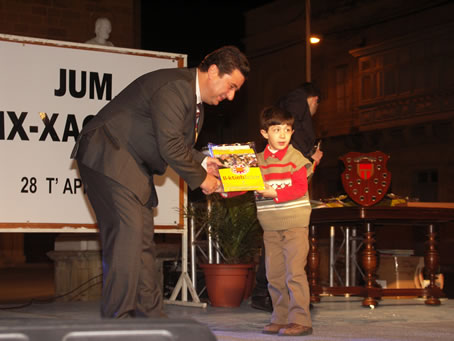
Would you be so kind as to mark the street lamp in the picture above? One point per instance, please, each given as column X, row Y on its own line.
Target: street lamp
column 308, row 44
column 314, row 39
column 310, row 39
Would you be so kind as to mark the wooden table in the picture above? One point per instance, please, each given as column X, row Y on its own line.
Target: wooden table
column 371, row 217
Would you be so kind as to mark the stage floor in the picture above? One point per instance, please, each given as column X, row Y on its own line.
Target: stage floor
column 335, row 318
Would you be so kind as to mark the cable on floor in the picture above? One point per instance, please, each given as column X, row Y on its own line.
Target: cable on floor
column 53, row 298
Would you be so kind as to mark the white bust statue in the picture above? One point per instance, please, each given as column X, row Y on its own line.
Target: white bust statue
column 102, row 31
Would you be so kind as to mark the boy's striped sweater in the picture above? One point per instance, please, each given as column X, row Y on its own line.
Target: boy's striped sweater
column 286, row 171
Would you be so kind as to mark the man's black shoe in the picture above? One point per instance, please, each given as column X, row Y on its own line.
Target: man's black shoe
column 262, row 303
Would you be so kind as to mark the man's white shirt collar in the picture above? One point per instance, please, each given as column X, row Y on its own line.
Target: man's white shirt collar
column 197, row 88
column 199, row 100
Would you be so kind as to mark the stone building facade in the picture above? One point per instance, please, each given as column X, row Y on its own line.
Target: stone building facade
column 71, row 20
column 386, row 72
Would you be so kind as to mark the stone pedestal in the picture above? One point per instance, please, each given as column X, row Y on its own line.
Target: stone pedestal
column 78, row 266
column 78, row 275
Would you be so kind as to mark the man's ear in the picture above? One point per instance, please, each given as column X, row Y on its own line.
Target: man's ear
column 264, row 133
column 213, row 71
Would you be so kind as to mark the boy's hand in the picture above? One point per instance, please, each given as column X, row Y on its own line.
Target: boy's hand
column 268, row 192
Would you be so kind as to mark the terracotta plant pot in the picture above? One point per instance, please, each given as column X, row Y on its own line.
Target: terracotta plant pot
column 226, row 283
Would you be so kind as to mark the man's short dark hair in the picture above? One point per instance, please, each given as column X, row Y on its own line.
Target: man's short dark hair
column 273, row 115
column 311, row 89
column 227, row 59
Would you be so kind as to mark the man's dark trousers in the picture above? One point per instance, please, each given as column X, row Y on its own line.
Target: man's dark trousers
column 130, row 223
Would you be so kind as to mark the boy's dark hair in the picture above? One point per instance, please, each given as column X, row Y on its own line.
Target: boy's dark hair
column 227, row 59
column 273, row 115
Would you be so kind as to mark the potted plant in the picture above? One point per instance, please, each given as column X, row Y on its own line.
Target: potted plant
column 236, row 234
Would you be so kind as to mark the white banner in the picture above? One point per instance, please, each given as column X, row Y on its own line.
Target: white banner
column 39, row 183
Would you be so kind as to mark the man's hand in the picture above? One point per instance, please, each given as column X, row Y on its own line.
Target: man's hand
column 213, row 166
column 317, row 156
column 210, row 185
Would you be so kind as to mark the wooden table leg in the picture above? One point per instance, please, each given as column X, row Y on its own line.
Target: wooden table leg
column 313, row 264
column 369, row 261
column 431, row 261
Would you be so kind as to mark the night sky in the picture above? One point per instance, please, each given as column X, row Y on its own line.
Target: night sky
column 194, row 28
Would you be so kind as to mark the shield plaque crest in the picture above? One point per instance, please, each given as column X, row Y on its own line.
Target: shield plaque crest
column 366, row 178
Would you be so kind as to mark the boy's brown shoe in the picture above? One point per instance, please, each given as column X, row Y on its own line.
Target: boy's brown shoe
column 273, row 328
column 294, row 329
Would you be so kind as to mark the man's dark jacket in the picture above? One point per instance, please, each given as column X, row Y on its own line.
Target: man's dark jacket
column 149, row 125
column 303, row 139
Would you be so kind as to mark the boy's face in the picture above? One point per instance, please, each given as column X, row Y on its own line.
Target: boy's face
column 278, row 136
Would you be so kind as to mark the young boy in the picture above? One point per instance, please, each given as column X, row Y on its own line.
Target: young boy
column 284, row 213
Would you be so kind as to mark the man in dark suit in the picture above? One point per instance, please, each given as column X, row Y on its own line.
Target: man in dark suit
column 152, row 123
column 302, row 103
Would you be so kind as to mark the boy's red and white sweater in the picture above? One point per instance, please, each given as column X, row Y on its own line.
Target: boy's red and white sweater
column 287, row 172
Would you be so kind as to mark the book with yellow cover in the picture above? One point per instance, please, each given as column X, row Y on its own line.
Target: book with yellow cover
column 240, row 170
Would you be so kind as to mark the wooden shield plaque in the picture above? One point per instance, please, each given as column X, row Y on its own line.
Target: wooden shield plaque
column 366, row 178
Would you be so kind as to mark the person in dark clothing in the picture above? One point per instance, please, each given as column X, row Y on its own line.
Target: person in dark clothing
column 302, row 102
